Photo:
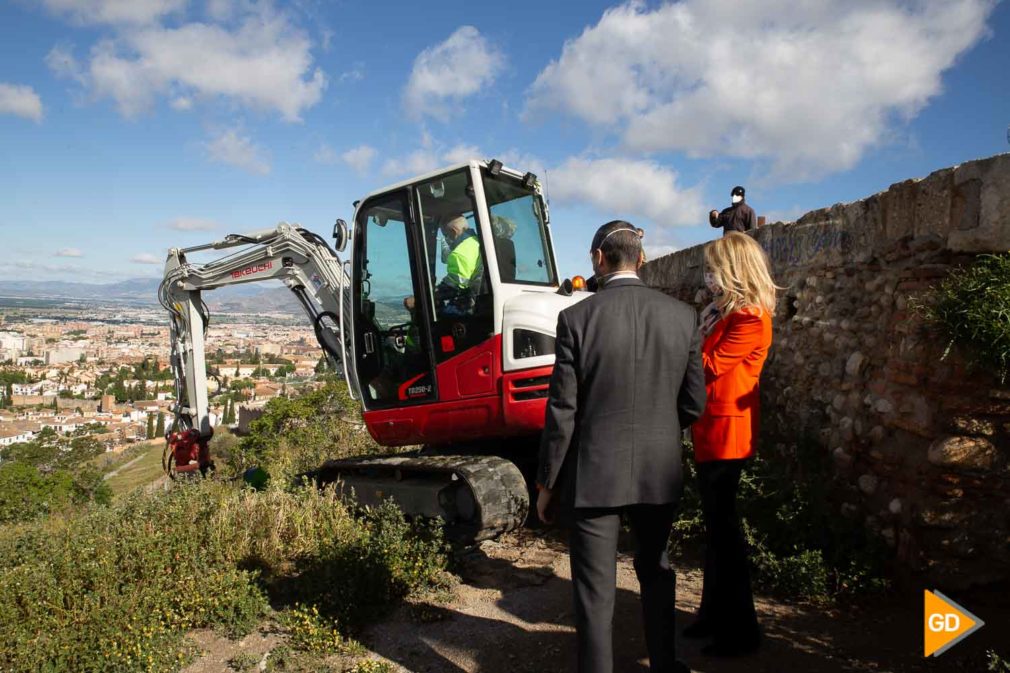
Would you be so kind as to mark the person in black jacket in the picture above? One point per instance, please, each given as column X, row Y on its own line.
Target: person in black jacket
column 627, row 380
column 738, row 217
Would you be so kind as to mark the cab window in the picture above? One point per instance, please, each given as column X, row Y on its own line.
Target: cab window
column 459, row 290
column 519, row 230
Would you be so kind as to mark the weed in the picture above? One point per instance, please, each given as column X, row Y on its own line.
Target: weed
column 996, row 663
column 244, row 662
column 971, row 307
column 799, row 547
column 370, row 666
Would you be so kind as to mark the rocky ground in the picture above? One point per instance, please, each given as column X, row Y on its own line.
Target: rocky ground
column 512, row 613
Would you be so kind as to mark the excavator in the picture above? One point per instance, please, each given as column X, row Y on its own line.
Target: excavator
column 442, row 320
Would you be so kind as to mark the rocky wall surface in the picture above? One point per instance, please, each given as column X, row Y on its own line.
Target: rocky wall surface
column 920, row 444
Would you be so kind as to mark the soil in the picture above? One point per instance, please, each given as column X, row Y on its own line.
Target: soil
column 512, row 613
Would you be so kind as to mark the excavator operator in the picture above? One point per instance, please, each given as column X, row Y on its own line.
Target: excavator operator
column 464, row 267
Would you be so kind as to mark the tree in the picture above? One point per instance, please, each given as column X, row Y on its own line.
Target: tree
column 150, row 426
column 160, row 430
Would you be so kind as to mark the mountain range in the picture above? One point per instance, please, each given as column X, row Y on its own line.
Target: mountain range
column 269, row 298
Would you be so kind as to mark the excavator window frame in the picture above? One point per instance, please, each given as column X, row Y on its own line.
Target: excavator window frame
column 365, row 325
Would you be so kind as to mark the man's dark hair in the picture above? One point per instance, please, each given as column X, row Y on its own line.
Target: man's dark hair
column 620, row 243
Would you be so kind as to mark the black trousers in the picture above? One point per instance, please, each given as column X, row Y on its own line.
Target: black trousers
column 593, row 545
column 727, row 604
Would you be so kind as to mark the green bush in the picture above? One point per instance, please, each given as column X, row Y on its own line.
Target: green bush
column 115, row 588
column 371, row 666
column 996, row 663
column 26, row 493
column 971, row 307
column 800, row 547
column 294, row 436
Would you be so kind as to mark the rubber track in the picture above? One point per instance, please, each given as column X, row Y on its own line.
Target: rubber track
column 496, row 484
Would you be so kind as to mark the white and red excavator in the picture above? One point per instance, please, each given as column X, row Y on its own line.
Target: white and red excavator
column 452, row 354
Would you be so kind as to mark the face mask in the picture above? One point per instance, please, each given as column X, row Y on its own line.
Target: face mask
column 711, row 284
column 736, row 199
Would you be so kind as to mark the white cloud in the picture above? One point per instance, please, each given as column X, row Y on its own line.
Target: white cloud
column 69, row 252
column 237, row 150
column 355, row 74
column 419, row 161
column 260, row 60
column 20, row 100
column 114, row 11
column 629, row 189
column 657, row 251
column 324, row 154
column 146, row 258
column 359, row 158
column 447, row 73
column 461, row 153
column 192, row 224
column 811, row 86
column 62, row 62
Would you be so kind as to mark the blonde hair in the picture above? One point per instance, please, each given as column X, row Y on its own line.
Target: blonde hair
column 740, row 267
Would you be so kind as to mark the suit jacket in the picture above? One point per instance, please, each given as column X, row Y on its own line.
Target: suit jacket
column 733, row 355
column 627, row 378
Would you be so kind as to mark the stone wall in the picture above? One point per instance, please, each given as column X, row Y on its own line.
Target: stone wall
column 920, row 444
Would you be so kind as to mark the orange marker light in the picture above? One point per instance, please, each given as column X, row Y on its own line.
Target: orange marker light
column 578, row 283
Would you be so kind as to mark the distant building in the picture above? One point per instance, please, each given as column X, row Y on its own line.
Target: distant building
column 59, row 356
column 8, row 437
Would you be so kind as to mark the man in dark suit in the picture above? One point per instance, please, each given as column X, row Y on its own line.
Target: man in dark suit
column 627, row 379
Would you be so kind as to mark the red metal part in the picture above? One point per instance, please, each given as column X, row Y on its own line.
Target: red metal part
column 476, row 401
column 190, row 452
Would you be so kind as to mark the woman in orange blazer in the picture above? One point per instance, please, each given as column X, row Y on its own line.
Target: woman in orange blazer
column 737, row 329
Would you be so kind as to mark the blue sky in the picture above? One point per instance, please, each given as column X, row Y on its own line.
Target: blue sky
column 129, row 126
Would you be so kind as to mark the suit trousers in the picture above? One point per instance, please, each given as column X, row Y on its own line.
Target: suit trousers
column 727, row 604
column 593, row 545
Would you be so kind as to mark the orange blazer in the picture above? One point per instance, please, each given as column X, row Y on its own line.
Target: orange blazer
column 733, row 355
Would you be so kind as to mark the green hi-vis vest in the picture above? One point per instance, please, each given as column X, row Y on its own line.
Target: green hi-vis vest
column 464, row 261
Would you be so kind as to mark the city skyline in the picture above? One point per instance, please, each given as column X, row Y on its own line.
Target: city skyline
column 131, row 127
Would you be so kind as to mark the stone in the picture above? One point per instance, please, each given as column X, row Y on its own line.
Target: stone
column 894, row 507
column 838, row 402
column 845, row 428
column 883, row 406
column 966, row 453
column 877, row 434
column 854, row 365
column 966, row 425
column 890, row 538
column 868, row 483
column 841, row 457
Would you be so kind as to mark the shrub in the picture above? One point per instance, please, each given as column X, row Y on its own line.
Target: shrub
column 996, row 663
column 371, row 666
column 971, row 307
column 308, row 631
column 26, row 493
column 115, row 589
column 799, row 546
column 294, row 436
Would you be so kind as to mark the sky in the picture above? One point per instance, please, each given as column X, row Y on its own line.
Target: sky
column 131, row 126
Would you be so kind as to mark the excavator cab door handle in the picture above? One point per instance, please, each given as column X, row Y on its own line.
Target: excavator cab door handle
column 369, row 342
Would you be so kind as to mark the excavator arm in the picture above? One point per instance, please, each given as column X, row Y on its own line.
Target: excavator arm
column 299, row 258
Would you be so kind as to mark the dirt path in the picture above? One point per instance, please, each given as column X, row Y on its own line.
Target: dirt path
column 122, row 467
column 512, row 614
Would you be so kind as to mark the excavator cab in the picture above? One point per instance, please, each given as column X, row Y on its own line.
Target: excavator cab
column 435, row 261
